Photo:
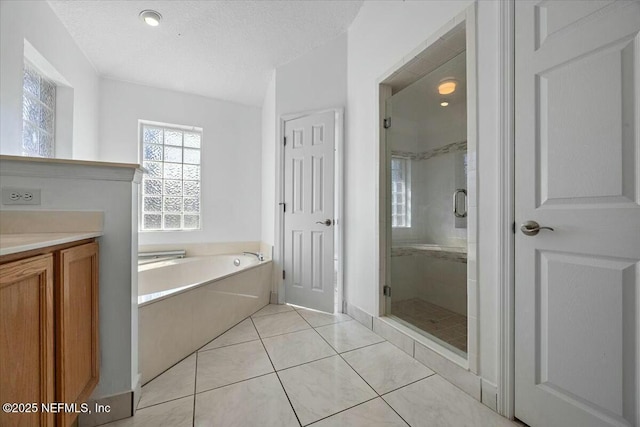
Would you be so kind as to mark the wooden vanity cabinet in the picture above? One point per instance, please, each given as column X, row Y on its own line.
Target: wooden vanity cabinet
column 49, row 331
column 26, row 339
column 76, row 302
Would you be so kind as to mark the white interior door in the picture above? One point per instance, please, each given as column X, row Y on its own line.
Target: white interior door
column 577, row 76
column 309, row 215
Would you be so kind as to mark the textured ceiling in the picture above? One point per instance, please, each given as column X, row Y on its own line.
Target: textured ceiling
column 219, row 49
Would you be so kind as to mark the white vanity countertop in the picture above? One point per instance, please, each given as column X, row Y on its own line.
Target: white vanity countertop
column 21, row 242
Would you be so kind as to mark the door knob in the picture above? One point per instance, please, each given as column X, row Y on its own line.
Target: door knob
column 326, row 222
column 531, row 228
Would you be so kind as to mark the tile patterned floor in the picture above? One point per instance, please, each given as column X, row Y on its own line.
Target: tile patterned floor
column 444, row 324
column 296, row 367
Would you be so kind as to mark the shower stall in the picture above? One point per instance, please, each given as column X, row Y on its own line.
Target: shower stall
column 426, row 152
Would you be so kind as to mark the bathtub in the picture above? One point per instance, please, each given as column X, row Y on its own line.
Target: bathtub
column 185, row 303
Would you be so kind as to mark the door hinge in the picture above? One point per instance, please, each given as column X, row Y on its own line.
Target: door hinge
column 513, row 228
column 283, row 275
column 386, row 291
column 386, row 123
column 285, row 141
column 284, row 206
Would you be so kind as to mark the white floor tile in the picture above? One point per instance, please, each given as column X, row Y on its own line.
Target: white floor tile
column 282, row 323
column 296, row 348
column 318, row 318
column 226, row 365
column 242, row 332
column 349, row 335
column 374, row 413
column 176, row 413
column 385, row 367
column 258, row 402
column 324, row 387
column 436, row 402
column 178, row 381
column 272, row 309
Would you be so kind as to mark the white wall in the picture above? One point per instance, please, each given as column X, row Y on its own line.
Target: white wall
column 269, row 135
column 231, row 154
column 382, row 33
column 317, row 80
column 36, row 22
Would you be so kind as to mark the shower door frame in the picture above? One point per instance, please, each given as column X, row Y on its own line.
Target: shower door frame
column 468, row 17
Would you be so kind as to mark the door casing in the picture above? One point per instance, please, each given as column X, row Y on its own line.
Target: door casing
column 278, row 250
column 383, row 232
column 506, row 212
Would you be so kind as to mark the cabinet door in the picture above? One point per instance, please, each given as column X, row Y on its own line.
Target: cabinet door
column 77, row 327
column 26, row 338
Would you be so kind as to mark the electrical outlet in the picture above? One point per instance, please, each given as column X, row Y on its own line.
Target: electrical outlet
column 20, row 196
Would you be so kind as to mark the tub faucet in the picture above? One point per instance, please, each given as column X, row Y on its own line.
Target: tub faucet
column 256, row 254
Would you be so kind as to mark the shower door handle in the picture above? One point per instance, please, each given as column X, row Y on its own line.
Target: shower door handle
column 456, row 213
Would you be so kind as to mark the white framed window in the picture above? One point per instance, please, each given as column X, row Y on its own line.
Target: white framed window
column 38, row 113
column 400, row 192
column 171, row 186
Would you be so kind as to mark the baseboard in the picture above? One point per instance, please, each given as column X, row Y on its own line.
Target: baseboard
column 360, row 315
column 120, row 406
column 489, row 393
column 137, row 393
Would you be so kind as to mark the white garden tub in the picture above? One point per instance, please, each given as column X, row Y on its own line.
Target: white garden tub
column 185, row 303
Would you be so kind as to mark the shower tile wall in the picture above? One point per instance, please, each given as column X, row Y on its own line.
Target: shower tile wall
column 433, row 182
column 441, row 282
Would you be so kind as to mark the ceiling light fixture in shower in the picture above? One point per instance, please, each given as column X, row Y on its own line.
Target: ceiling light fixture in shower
column 444, row 103
column 447, row 87
column 150, row 17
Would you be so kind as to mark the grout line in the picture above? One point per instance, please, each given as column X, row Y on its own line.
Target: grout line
column 306, row 363
column 353, row 349
column 228, row 345
column 329, row 324
column 343, row 410
column 221, row 335
column 271, row 314
column 163, row 402
column 278, row 377
column 195, row 385
column 234, row 383
column 365, row 346
column 350, row 367
column 394, row 410
column 163, row 372
column 408, row 384
column 285, row 333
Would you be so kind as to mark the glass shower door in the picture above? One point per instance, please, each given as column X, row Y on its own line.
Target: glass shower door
column 426, row 161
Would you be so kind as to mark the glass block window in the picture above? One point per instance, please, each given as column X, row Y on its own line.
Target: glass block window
column 400, row 192
column 171, row 185
column 38, row 113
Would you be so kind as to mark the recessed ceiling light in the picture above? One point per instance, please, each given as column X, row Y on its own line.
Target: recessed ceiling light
column 444, row 103
column 447, row 87
column 150, row 17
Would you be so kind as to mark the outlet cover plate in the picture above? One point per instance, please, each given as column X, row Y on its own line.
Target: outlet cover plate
column 20, row 196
